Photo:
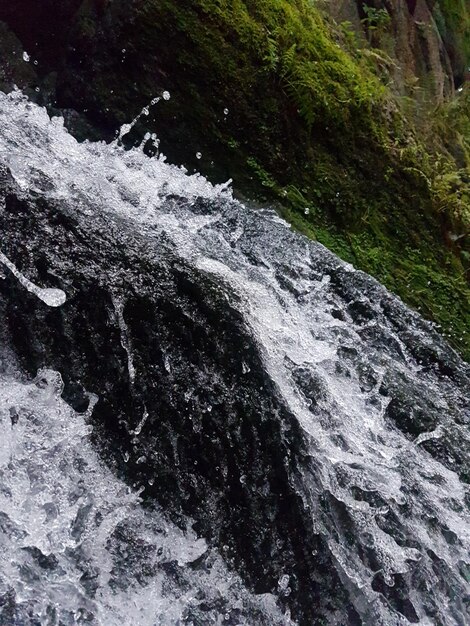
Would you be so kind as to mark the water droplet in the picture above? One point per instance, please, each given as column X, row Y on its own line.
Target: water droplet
column 26, row 57
column 52, row 297
column 166, row 95
column 225, row 111
column 306, row 211
column 198, row 155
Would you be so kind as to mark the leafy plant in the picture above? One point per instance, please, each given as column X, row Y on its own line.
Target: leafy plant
column 376, row 19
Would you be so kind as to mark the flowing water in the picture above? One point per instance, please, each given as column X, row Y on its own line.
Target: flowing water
column 70, row 528
column 384, row 476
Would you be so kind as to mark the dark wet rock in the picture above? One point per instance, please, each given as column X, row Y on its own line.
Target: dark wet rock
column 43, row 27
column 14, row 416
column 10, row 528
column 410, row 408
column 8, row 607
column 45, row 562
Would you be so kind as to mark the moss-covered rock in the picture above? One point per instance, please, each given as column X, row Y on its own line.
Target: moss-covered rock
column 298, row 110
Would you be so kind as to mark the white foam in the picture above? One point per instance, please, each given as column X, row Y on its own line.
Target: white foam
column 63, row 506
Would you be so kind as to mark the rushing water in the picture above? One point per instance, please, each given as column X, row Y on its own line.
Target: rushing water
column 340, row 351
column 70, row 528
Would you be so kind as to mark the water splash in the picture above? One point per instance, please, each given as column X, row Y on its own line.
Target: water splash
column 75, row 544
column 126, row 128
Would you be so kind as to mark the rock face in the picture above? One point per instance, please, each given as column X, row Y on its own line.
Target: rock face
column 422, row 63
column 314, row 429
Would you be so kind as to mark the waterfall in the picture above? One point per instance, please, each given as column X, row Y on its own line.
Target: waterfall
column 229, row 424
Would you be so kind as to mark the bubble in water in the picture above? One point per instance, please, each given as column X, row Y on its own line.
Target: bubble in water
column 306, row 211
column 198, row 155
column 166, row 95
column 226, row 111
column 26, row 57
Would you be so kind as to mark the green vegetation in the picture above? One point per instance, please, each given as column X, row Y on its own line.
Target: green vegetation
column 311, row 125
column 376, row 19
